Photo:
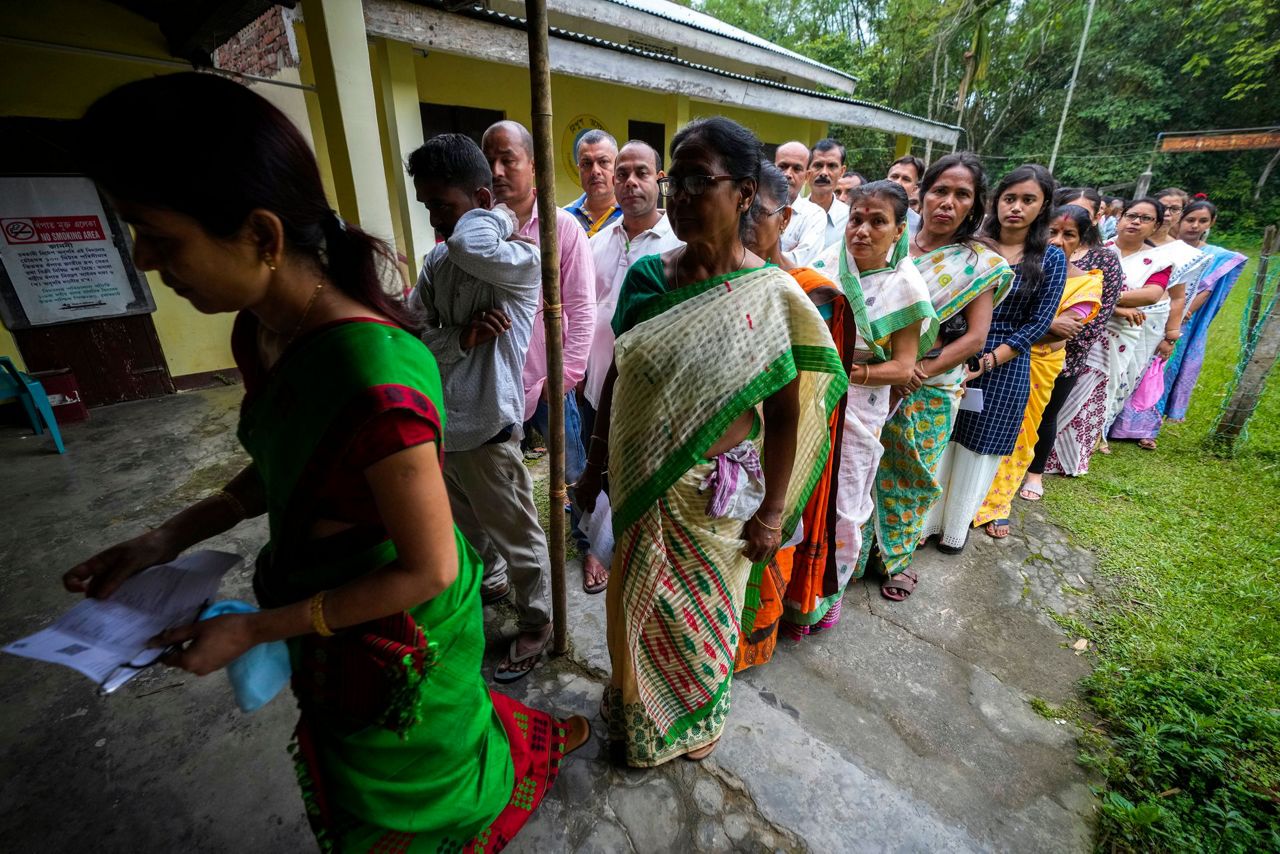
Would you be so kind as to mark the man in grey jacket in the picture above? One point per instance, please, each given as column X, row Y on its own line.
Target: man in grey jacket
column 479, row 292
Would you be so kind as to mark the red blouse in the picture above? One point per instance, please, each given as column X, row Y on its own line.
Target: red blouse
column 344, row 494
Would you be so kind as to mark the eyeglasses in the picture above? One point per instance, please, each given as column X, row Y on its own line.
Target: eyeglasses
column 1173, row 208
column 692, row 185
column 778, row 209
column 1145, row 219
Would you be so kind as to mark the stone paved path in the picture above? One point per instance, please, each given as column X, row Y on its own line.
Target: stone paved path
column 907, row 728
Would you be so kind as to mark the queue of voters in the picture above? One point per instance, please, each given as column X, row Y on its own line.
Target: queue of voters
column 780, row 376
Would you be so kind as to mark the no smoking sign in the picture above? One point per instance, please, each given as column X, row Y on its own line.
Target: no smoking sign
column 19, row 231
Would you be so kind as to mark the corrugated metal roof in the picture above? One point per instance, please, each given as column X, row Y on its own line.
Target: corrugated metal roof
column 493, row 16
column 708, row 24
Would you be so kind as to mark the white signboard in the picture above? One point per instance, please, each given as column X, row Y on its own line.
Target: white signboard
column 56, row 246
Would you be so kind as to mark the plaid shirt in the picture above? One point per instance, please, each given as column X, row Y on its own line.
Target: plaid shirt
column 1020, row 321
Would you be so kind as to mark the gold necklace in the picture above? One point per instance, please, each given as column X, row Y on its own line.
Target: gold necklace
column 306, row 311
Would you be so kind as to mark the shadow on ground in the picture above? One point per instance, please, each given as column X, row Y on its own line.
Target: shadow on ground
column 906, row 728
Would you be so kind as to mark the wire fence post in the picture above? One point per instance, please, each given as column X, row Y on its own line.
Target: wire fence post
column 1259, row 349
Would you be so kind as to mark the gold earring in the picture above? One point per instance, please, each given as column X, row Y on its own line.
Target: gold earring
column 270, row 266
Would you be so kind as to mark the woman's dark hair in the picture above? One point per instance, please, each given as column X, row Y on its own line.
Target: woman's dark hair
column 1082, row 219
column 219, row 152
column 1146, row 200
column 453, row 159
column 1201, row 205
column 1066, row 195
column 890, row 191
column 1031, row 266
column 739, row 149
column 773, row 185
column 969, row 225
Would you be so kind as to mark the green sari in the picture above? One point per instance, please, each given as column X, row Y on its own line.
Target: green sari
column 690, row 361
column 916, row 434
column 399, row 745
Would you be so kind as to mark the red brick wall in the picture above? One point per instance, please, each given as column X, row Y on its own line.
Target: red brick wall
column 262, row 48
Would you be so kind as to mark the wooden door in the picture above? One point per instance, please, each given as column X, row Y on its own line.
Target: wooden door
column 114, row 359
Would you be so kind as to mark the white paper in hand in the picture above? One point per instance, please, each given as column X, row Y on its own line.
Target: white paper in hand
column 972, row 400
column 106, row 639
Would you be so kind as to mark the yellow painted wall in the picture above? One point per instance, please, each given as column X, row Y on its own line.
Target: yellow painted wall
column 453, row 80
column 41, row 83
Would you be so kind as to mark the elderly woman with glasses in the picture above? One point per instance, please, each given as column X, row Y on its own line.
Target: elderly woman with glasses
column 712, row 428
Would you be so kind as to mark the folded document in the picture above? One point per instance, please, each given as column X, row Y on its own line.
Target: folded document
column 106, row 639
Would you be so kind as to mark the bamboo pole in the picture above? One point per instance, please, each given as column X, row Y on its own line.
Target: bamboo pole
column 1264, row 332
column 545, row 176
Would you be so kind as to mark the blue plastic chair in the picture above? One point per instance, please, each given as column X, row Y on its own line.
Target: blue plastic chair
column 14, row 383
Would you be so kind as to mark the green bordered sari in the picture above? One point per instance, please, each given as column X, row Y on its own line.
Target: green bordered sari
column 690, row 361
column 915, row 436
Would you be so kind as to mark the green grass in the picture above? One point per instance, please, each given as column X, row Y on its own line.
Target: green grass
column 1187, row 685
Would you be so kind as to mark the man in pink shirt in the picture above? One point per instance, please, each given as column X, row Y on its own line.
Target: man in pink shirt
column 508, row 147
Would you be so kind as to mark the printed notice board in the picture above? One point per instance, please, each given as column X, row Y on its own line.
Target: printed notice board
column 62, row 258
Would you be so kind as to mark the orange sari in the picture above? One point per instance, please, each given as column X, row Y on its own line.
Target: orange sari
column 802, row 566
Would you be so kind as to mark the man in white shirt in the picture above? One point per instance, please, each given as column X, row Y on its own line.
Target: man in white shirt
column 826, row 167
column 642, row 230
column 907, row 171
column 803, row 239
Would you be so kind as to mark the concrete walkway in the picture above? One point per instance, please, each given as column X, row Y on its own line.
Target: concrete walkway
column 907, row 728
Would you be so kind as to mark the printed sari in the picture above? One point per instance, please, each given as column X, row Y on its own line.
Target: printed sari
column 882, row 302
column 1183, row 368
column 915, row 436
column 816, row 544
column 1083, row 413
column 400, row 745
column 690, row 361
column 1186, row 265
column 1046, row 364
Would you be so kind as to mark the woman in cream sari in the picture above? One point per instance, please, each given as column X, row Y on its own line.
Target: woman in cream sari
column 895, row 324
column 1164, row 318
column 965, row 279
column 1142, row 311
column 713, row 429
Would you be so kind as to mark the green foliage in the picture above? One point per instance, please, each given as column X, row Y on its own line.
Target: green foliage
column 1151, row 66
column 1187, row 684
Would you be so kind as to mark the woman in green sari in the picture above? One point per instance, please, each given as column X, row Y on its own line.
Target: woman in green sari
column 966, row 279
column 400, row 745
column 713, row 427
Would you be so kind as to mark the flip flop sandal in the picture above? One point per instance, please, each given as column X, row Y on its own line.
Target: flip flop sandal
column 953, row 550
column 586, row 724
column 1031, row 492
column 1147, row 444
column 594, row 588
column 702, row 752
column 898, row 587
column 504, row 674
column 991, row 527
